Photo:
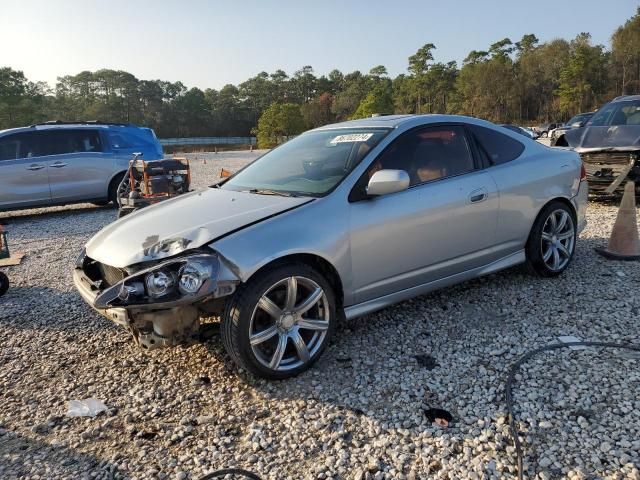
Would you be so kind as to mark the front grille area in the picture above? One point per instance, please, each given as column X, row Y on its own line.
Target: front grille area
column 100, row 272
column 110, row 275
column 604, row 167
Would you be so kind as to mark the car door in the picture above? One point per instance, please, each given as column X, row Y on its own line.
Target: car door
column 442, row 225
column 24, row 180
column 79, row 167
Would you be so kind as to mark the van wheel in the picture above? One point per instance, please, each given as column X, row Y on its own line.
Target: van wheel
column 551, row 244
column 113, row 188
column 279, row 323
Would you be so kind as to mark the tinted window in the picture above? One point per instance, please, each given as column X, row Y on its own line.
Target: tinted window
column 58, row 142
column 497, row 147
column 122, row 140
column 617, row 113
column 9, row 147
column 427, row 154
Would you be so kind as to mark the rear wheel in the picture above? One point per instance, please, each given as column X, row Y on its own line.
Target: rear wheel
column 280, row 322
column 552, row 240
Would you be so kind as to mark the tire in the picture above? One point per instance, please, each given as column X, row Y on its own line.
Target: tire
column 544, row 134
column 293, row 333
column 4, row 284
column 552, row 241
column 113, row 188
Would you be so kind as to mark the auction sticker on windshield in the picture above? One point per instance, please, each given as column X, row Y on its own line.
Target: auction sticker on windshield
column 352, row 137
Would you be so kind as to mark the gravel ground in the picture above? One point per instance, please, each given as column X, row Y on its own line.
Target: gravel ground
column 359, row 413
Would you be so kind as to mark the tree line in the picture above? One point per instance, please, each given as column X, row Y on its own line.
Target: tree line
column 509, row 82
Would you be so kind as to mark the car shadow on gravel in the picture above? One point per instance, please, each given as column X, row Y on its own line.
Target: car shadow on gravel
column 26, row 307
column 52, row 212
column 24, row 457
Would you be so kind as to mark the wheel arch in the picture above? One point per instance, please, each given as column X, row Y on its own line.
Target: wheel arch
column 563, row 200
column 317, row 262
column 115, row 177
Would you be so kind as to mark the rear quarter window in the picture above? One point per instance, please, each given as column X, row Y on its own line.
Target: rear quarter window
column 498, row 148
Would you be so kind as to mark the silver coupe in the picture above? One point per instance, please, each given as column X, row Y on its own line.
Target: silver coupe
column 339, row 222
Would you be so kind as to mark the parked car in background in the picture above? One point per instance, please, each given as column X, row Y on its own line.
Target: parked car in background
column 543, row 129
column 532, row 133
column 340, row 221
column 517, row 129
column 576, row 121
column 609, row 144
column 57, row 163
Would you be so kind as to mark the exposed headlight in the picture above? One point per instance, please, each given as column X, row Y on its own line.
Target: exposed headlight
column 178, row 280
column 159, row 283
column 193, row 275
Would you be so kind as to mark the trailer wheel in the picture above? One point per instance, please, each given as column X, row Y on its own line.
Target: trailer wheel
column 4, row 284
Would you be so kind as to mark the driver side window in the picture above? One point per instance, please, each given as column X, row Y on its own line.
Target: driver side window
column 428, row 154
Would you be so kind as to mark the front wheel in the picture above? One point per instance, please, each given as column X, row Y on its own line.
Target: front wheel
column 279, row 323
column 552, row 240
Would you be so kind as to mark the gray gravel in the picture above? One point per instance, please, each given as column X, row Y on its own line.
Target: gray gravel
column 358, row 413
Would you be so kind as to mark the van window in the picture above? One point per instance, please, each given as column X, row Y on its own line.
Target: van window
column 59, row 142
column 9, row 147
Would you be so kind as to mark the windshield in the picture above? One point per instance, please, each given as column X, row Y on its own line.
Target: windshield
column 311, row 164
column 617, row 113
column 578, row 118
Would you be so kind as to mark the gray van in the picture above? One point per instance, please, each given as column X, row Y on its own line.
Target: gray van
column 56, row 163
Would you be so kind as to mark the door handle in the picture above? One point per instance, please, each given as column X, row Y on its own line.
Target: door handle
column 35, row 166
column 478, row 195
column 58, row 165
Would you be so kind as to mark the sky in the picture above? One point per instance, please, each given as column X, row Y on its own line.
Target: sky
column 208, row 44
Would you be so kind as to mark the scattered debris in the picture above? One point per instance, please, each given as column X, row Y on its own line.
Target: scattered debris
column 426, row 361
column 89, row 407
column 571, row 339
column 13, row 260
column 439, row 417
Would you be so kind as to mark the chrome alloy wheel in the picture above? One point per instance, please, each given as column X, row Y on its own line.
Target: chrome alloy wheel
column 289, row 323
column 558, row 240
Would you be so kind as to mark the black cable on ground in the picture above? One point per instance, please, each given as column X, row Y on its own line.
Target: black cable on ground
column 231, row 471
column 511, row 377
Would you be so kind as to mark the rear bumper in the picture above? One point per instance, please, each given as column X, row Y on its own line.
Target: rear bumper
column 580, row 204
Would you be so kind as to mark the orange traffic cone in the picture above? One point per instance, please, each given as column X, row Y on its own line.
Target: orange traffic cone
column 624, row 243
column 224, row 173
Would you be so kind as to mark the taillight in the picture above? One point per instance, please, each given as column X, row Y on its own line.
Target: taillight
column 583, row 172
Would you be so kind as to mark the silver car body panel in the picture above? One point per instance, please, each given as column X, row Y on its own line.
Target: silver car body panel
column 384, row 249
column 186, row 222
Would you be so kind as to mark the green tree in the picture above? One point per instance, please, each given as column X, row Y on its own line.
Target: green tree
column 378, row 101
column 278, row 122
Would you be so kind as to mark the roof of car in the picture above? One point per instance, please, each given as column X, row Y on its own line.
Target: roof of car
column 65, row 125
column 626, row 98
column 394, row 121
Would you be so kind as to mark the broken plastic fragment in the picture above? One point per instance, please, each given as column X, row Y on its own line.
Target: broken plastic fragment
column 439, row 417
column 89, row 407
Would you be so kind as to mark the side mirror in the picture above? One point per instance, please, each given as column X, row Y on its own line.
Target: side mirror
column 577, row 124
column 384, row 182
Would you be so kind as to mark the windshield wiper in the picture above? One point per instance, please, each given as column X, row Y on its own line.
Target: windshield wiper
column 266, row 191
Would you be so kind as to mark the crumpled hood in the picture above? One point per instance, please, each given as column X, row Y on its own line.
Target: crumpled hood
column 614, row 137
column 182, row 223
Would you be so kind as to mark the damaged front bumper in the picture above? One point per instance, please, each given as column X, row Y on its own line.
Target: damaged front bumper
column 608, row 170
column 124, row 296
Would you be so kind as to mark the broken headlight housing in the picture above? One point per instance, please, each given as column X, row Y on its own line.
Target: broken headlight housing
column 177, row 281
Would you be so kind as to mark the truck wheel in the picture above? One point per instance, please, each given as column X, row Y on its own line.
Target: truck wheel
column 279, row 323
